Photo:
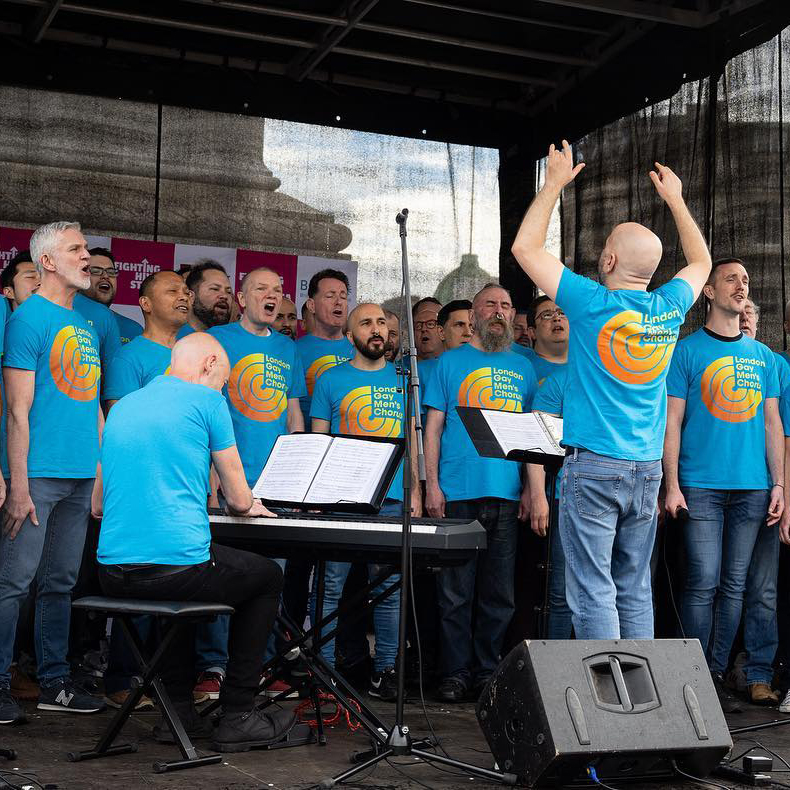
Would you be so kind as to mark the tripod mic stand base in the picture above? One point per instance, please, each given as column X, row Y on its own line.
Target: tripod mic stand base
column 399, row 741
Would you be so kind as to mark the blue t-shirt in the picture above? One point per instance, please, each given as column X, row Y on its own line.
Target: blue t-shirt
column 318, row 355
column 466, row 376
column 549, row 398
column 783, row 371
column 725, row 383
column 618, row 358
column 102, row 319
column 525, row 351
column 363, row 403
column 544, row 369
column 184, row 331
column 265, row 372
column 426, row 368
column 62, row 348
column 127, row 328
column 137, row 363
column 168, row 525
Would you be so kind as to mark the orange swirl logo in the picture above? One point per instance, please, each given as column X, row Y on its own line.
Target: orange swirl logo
column 257, row 388
column 372, row 410
column 491, row 388
column 731, row 389
column 319, row 367
column 74, row 364
column 634, row 352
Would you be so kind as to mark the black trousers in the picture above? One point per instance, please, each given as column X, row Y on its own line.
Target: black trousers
column 248, row 582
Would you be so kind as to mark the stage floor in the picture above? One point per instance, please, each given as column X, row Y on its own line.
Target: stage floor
column 42, row 743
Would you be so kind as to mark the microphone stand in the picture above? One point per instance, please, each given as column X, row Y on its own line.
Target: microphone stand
column 399, row 742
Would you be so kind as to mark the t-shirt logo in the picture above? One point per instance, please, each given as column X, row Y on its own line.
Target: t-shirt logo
column 319, row 367
column 732, row 389
column 372, row 410
column 257, row 387
column 74, row 363
column 492, row 388
column 635, row 347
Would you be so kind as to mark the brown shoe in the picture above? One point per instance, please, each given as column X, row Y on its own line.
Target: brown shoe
column 117, row 698
column 762, row 694
column 22, row 687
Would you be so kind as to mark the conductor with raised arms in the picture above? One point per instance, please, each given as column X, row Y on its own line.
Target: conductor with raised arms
column 615, row 404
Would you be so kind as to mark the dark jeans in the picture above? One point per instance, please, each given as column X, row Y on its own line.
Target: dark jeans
column 248, row 582
column 476, row 599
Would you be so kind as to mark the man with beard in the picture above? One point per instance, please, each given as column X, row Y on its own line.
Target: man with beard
column 212, row 297
column 19, row 279
column 104, row 284
column 615, row 402
column 364, row 397
column 51, row 372
column 164, row 300
column 724, row 463
column 461, row 484
column 285, row 323
column 392, row 349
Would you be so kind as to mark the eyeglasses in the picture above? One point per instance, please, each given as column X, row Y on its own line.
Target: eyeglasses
column 429, row 324
column 550, row 315
column 98, row 271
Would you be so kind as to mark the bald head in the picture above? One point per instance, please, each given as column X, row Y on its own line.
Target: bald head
column 363, row 312
column 200, row 359
column 631, row 254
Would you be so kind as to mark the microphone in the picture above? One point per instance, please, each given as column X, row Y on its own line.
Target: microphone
column 402, row 216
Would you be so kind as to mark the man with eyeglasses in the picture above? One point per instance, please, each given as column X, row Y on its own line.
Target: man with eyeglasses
column 548, row 326
column 104, row 285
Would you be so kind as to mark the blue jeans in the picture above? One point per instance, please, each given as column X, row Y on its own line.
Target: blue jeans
column 385, row 615
column 725, row 536
column 51, row 554
column 560, row 622
column 608, row 515
column 469, row 653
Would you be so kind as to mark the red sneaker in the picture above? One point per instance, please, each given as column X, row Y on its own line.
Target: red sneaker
column 280, row 686
column 207, row 687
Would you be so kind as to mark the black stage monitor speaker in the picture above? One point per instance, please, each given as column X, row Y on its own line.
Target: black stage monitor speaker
column 626, row 708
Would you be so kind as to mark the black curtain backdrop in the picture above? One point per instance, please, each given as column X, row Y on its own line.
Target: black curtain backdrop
column 727, row 138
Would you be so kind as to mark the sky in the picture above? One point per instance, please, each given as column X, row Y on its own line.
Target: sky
column 364, row 179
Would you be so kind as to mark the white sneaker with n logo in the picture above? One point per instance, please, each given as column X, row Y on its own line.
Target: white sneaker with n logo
column 66, row 696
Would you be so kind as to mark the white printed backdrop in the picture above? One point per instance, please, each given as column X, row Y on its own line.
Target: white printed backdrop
column 137, row 259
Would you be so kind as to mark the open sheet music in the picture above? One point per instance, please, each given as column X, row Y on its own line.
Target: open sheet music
column 505, row 434
column 525, row 431
column 319, row 470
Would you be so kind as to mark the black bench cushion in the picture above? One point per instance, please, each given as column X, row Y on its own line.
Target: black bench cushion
column 161, row 608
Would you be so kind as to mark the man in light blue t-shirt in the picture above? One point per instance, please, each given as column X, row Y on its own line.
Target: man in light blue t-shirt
column 724, row 464
column 461, row 484
column 615, row 402
column 266, row 378
column 104, row 285
column 158, row 546
column 164, row 300
column 365, row 397
column 550, row 328
column 52, row 371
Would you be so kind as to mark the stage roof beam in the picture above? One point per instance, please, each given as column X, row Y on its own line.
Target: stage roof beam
column 38, row 26
column 636, row 9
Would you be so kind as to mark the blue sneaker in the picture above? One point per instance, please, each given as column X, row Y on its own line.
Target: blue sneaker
column 10, row 710
column 66, row 695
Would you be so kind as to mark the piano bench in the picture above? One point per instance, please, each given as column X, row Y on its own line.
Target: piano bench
column 178, row 612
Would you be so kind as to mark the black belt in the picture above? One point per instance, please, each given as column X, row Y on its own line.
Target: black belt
column 143, row 572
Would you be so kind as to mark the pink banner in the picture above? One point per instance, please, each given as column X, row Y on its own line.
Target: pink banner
column 135, row 261
column 12, row 241
column 284, row 265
